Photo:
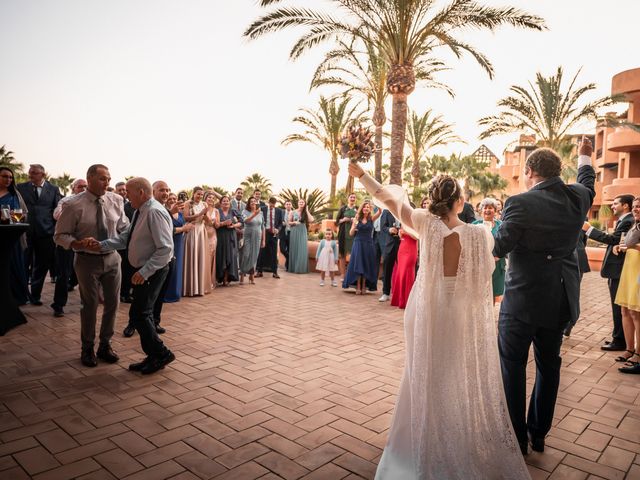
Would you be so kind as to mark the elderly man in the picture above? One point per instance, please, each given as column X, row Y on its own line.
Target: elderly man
column 98, row 214
column 41, row 199
column 149, row 241
column 64, row 257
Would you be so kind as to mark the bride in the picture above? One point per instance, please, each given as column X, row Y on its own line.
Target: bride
column 451, row 419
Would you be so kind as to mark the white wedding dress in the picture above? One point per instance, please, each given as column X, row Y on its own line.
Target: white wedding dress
column 451, row 420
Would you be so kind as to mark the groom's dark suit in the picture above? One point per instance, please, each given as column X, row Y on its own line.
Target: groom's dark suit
column 539, row 231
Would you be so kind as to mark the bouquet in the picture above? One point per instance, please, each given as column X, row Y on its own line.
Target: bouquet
column 357, row 144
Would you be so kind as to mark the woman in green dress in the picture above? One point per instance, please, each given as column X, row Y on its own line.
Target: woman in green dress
column 346, row 214
column 489, row 209
column 298, row 250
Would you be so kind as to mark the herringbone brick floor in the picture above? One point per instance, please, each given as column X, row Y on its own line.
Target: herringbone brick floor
column 284, row 379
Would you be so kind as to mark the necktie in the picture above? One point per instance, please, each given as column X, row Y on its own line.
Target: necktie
column 36, row 192
column 133, row 225
column 271, row 218
column 100, row 223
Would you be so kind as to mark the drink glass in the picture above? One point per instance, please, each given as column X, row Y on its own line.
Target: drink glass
column 5, row 215
column 17, row 215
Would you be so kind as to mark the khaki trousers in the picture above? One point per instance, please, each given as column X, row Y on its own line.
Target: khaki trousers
column 96, row 273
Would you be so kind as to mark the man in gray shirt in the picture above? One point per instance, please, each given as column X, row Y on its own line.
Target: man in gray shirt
column 96, row 214
column 149, row 242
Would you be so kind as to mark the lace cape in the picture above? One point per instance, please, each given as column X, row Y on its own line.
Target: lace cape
column 451, row 420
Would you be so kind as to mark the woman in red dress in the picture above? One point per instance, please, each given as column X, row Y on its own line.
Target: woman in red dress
column 404, row 272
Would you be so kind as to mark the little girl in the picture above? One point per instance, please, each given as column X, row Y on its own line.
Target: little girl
column 327, row 257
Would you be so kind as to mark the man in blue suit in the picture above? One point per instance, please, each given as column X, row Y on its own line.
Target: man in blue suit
column 539, row 232
column 389, row 243
column 41, row 199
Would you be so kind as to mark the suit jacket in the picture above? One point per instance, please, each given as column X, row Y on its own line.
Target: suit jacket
column 612, row 264
column 540, row 231
column 278, row 218
column 583, row 260
column 467, row 215
column 40, row 216
column 387, row 240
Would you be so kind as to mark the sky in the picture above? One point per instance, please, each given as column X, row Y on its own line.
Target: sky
column 169, row 89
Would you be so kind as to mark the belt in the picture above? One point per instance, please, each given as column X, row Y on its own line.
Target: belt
column 101, row 254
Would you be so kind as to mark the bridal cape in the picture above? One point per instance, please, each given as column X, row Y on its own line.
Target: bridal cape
column 451, row 420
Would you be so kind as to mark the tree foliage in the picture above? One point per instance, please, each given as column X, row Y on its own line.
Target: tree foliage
column 316, row 200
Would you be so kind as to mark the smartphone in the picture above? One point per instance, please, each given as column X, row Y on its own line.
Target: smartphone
column 182, row 197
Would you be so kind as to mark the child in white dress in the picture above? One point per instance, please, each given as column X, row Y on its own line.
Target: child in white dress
column 327, row 257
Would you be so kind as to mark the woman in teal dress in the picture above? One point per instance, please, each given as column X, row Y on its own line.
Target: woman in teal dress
column 253, row 239
column 489, row 209
column 298, row 250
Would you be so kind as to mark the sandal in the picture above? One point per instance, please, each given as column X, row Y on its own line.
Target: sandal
column 624, row 359
column 632, row 363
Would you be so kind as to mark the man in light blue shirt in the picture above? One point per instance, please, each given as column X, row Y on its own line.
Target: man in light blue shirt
column 149, row 241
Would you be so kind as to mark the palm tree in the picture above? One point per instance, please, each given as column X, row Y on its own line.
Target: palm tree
column 487, row 182
column 325, row 127
column 544, row 108
column 404, row 32
column 8, row 160
column 425, row 132
column 255, row 181
column 63, row 182
column 316, row 201
column 364, row 72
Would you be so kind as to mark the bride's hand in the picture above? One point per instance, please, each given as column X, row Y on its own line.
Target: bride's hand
column 355, row 170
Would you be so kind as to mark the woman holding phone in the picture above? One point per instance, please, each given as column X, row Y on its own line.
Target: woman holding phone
column 194, row 277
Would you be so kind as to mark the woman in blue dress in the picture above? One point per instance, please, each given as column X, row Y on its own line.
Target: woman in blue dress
column 253, row 239
column 174, row 290
column 10, row 197
column 363, row 269
column 298, row 249
column 227, row 248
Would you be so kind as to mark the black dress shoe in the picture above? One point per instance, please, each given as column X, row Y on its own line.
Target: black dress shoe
column 275, row 275
column 567, row 331
column 106, row 353
column 159, row 363
column 37, row 303
column 259, row 274
column 57, row 311
column 136, row 367
column 125, row 299
column 537, row 443
column 524, row 448
column 613, row 347
column 128, row 331
column 160, row 330
column 88, row 358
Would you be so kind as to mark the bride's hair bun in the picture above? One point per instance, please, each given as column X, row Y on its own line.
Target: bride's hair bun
column 444, row 191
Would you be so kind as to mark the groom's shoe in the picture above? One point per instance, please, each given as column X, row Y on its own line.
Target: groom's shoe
column 524, row 448
column 537, row 443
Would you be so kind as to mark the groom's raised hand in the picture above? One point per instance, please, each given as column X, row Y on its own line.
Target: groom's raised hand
column 586, row 148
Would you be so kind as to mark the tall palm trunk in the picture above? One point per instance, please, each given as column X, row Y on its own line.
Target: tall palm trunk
column 334, row 168
column 349, row 186
column 415, row 172
column 398, row 131
column 379, row 119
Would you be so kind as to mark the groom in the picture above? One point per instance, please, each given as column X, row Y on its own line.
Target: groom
column 539, row 231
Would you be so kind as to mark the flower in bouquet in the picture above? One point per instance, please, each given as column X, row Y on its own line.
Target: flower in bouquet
column 357, row 144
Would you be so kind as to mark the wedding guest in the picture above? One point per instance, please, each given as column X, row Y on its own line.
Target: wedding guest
column 362, row 270
column 467, row 215
column 194, row 280
column 149, row 244
column 489, row 209
column 404, row 273
column 63, row 257
column 299, row 221
column 227, row 249
column 628, row 294
column 96, row 214
column 285, row 233
column 612, row 264
column 254, row 239
column 257, row 194
column 273, row 222
column 236, row 202
column 41, row 199
column 180, row 227
column 390, row 243
column 327, row 258
column 126, row 271
column 10, row 197
column 210, row 220
column 344, row 220
column 499, row 208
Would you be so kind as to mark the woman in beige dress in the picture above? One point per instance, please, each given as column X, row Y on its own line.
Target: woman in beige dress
column 195, row 248
column 210, row 219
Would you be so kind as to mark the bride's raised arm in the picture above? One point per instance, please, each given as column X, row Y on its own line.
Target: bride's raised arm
column 393, row 197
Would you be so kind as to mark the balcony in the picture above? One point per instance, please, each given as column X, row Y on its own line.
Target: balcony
column 621, row 186
column 623, row 140
column 627, row 83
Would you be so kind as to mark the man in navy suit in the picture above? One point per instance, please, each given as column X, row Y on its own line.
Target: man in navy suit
column 612, row 264
column 273, row 223
column 539, row 232
column 389, row 242
column 41, row 199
